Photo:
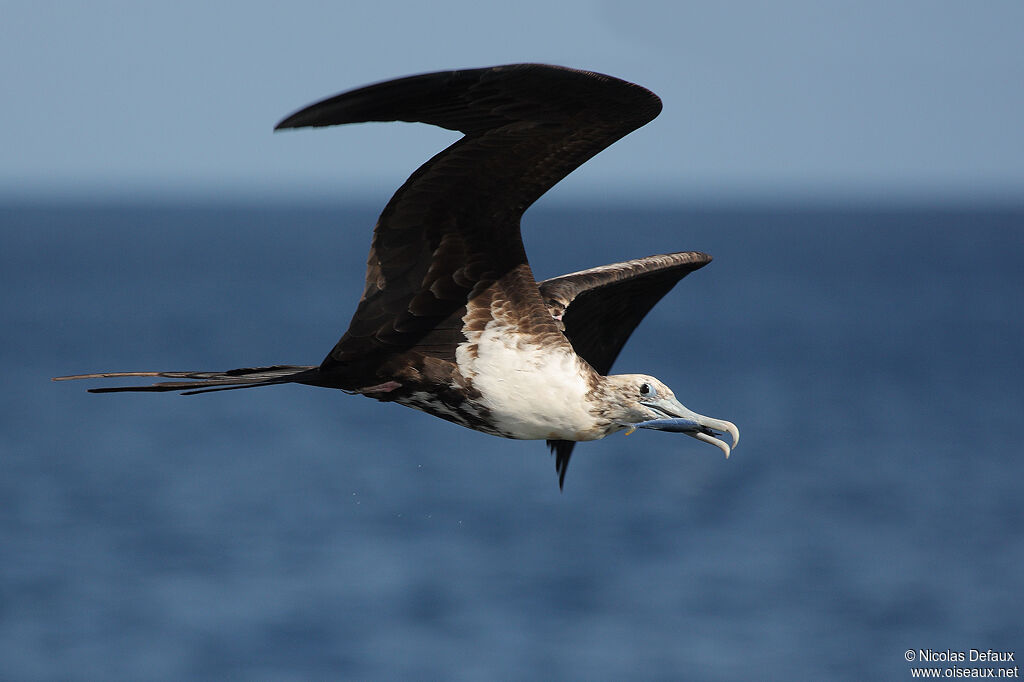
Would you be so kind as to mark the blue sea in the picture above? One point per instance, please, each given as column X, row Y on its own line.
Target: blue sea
column 872, row 358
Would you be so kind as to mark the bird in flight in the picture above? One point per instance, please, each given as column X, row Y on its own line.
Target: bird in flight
column 451, row 320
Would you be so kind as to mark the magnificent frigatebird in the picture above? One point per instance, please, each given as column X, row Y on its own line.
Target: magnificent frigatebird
column 451, row 320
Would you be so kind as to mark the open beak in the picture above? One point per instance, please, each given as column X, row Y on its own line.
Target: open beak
column 680, row 419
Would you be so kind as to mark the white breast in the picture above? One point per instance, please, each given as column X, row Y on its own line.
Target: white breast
column 531, row 391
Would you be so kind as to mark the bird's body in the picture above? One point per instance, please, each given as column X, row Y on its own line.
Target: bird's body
column 451, row 320
column 529, row 390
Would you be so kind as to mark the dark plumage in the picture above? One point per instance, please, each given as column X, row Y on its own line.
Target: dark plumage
column 451, row 320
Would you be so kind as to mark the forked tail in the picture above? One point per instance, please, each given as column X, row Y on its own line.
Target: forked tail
column 206, row 382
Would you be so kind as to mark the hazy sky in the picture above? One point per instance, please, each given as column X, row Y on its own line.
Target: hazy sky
column 790, row 99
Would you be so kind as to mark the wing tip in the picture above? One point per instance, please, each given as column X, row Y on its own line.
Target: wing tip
column 291, row 122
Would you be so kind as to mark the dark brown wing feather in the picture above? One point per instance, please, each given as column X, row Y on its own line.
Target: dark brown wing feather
column 452, row 230
column 601, row 307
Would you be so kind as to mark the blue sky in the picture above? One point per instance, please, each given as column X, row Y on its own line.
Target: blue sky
column 794, row 99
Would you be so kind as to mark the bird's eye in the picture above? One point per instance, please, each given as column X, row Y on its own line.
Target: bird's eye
column 646, row 390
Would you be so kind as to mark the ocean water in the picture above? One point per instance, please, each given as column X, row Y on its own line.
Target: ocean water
column 871, row 358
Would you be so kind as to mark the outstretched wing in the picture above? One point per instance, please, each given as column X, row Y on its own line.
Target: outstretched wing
column 600, row 307
column 451, row 231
